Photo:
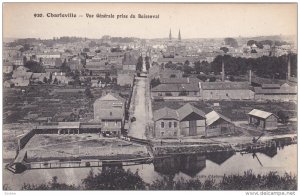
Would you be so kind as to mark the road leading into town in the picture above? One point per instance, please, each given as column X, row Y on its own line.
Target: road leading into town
column 141, row 110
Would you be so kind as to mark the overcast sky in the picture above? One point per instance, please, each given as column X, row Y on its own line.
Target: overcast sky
column 194, row 20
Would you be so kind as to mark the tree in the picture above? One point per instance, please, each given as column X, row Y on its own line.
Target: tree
column 88, row 93
column 197, row 66
column 52, row 185
column 45, row 80
column 76, row 77
column 202, row 78
column 24, row 60
column 86, row 50
column 107, row 79
column 65, row 68
column 55, row 81
column 187, row 69
column 154, row 82
column 212, row 79
column 283, row 117
column 50, row 79
column 147, row 61
column 139, row 65
column 251, row 42
column 34, row 66
column 187, row 63
column 224, row 49
column 231, row 78
column 113, row 179
column 231, row 42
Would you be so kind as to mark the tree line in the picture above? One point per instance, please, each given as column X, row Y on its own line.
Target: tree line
column 265, row 66
column 120, row 179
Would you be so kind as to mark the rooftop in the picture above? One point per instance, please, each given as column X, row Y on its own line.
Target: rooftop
column 224, row 85
column 213, row 116
column 260, row 113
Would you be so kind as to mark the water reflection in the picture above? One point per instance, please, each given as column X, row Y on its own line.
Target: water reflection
column 193, row 164
column 186, row 166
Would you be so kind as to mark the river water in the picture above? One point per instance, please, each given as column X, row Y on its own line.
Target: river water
column 183, row 166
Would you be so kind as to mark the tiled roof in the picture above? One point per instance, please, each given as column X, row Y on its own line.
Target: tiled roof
column 260, row 113
column 282, row 90
column 270, row 86
column 175, row 88
column 165, row 113
column 187, row 109
column 111, row 97
column 224, row 85
column 213, row 116
column 173, row 81
column 179, row 114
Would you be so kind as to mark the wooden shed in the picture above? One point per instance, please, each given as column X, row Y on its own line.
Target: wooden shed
column 217, row 124
column 263, row 120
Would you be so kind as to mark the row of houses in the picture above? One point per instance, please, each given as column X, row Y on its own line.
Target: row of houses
column 23, row 77
column 191, row 121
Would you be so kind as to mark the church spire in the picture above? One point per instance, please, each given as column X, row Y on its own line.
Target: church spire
column 170, row 35
column 179, row 36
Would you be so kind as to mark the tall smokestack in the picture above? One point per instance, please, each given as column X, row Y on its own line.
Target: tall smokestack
column 223, row 71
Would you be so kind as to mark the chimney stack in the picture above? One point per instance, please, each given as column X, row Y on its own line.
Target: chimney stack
column 223, row 71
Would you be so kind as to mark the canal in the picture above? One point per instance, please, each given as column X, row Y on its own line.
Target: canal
column 280, row 160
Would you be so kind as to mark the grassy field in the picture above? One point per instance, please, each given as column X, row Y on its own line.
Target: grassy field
column 66, row 147
column 43, row 101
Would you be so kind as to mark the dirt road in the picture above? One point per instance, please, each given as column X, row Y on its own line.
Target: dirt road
column 142, row 111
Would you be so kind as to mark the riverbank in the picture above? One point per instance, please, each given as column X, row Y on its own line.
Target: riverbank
column 177, row 166
column 237, row 144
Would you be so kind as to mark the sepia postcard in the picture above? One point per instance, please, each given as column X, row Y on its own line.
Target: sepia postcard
column 149, row 96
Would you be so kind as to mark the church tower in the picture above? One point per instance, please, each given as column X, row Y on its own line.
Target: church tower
column 179, row 36
column 170, row 35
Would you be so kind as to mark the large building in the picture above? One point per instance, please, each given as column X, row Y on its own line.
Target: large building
column 226, row 91
column 284, row 92
column 263, row 120
column 110, row 111
column 185, row 121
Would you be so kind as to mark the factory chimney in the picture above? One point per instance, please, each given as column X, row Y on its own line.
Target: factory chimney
column 250, row 76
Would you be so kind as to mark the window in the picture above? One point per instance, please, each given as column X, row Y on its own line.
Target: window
column 162, row 125
column 110, row 113
column 175, row 124
column 170, row 124
column 162, row 133
column 227, row 94
column 175, row 133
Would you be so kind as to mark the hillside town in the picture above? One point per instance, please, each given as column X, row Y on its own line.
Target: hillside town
column 139, row 99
